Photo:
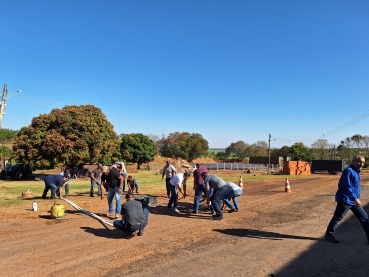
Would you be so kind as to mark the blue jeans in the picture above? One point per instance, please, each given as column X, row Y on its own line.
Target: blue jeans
column 124, row 181
column 48, row 187
column 217, row 197
column 168, row 185
column 111, row 193
column 199, row 189
column 173, row 197
column 93, row 183
column 232, row 194
column 340, row 212
column 124, row 226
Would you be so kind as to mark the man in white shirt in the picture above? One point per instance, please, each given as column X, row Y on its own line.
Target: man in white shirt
column 175, row 185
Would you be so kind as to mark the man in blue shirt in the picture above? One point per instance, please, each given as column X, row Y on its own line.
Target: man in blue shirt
column 348, row 198
column 54, row 183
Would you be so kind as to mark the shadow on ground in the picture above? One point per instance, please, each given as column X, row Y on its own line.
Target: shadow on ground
column 260, row 234
column 347, row 258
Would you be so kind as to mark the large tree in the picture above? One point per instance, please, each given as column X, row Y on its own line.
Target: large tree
column 137, row 148
column 300, row 152
column 239, row 149
column 184, row 145
column 73, row 135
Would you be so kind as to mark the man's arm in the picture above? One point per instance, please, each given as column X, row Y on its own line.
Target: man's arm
column 121, row 179
column 162, row 176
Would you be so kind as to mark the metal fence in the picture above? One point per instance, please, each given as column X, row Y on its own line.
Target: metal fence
column 229, row 167
column 239, row 167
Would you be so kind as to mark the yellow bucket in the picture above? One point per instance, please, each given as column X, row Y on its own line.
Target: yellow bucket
column 57, row 211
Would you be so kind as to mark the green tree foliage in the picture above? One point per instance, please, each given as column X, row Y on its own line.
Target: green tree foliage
column 7, row 135
column 73, row 135
column 184, row 145
column 300, row 152
column 137, row 148
column 238, row 149
column 259, row 149
column 284, row 151
column 320, row 149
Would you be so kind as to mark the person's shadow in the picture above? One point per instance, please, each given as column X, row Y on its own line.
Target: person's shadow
column 105, row 233
column 260, row 234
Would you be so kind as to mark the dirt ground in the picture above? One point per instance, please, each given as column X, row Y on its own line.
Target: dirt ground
column 273, row 234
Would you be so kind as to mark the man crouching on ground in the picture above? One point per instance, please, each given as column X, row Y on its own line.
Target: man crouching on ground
column 134, row 217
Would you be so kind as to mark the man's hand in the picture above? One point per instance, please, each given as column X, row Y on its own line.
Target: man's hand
column 358, row 202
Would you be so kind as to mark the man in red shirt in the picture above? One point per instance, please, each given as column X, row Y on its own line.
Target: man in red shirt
column 198, row 186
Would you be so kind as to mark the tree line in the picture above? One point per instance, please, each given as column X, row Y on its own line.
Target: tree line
column 82, row 134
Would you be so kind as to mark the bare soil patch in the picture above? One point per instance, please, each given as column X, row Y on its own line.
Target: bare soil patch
column 273, row 234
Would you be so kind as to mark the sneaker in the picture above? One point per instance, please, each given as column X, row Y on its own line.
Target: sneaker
column 91, row 195
column 176, row 211
column 217, row 217
column 331, row 238
column 236, row 209
column 109, row 215
column 194, row 212
column 131, row 235
column 117, row 216
column 140, row 233
column 232, row 210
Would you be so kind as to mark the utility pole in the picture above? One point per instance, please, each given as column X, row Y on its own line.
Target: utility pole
column 2, row 104
column 269, row 153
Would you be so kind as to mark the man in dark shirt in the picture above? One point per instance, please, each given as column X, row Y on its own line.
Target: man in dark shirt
column 96, row 180
column 134, row 217
column 54, row 183
column 132, row 184
column 198, row 186
column 220, row 187
column 115, row 183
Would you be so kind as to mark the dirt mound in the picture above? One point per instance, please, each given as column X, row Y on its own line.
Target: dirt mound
column 204, row 160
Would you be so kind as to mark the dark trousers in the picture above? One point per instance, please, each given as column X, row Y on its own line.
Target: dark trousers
column 340, row 212
column 217, row 197
column 167, row 184
column 128, row 228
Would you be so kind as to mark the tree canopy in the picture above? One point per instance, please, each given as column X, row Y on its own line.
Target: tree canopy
column 7, row 135
column 73, row 135
column 137, row 148
column 183, row 145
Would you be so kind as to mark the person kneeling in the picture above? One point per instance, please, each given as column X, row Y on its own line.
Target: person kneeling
column 134, row 217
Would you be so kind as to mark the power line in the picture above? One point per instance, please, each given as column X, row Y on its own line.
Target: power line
column 348, row 124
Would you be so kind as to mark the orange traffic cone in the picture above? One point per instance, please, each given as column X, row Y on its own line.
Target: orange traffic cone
column 287, row 187
column 240, row 184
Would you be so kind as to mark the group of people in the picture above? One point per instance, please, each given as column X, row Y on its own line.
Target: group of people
column 135, row 214
column 215, row 189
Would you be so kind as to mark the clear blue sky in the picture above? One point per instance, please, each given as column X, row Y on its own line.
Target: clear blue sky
column 229, row 70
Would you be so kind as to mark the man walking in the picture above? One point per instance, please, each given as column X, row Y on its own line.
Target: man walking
column 220, row 187
column 169, row 171
column 115, row 183
column 134, row 217
column 96, row 180
column 348, row 198
column 198, row 186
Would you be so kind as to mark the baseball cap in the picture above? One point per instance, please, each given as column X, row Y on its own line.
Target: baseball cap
column 104, row 169
column 129, row 195
column 99, row 165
